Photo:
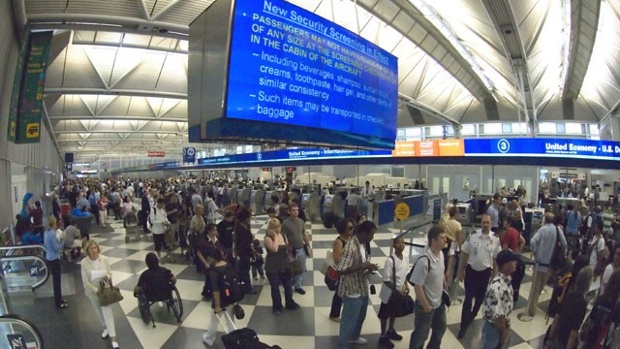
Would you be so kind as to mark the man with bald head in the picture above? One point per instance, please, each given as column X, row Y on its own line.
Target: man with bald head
column 543, row 245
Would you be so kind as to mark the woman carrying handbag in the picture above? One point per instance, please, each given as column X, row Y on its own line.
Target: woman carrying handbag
column 95, row 269
column 345, row 228
column 275, row 267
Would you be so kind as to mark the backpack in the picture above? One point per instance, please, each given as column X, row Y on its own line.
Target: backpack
column 232, row 289
column 595, row 327
column 558, row 259
column 410, row 273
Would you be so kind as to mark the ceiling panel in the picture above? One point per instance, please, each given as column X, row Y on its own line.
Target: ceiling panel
column 137, row 68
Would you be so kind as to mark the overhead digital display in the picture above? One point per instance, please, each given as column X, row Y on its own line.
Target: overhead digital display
column 525, row 148
column 289, row 66
column 569, row 148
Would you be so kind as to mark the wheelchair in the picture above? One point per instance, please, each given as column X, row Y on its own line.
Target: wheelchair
column 172, row 301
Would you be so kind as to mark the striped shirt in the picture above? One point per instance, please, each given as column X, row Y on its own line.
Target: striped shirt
column 354, row 284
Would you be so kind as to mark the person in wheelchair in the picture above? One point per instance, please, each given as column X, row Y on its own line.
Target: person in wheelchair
column 156, row 282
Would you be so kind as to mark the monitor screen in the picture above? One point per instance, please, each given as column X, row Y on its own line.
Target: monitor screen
column 256, row 66
column 290, row 66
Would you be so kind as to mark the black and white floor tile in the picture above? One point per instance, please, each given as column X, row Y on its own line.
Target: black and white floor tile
column 305, row 328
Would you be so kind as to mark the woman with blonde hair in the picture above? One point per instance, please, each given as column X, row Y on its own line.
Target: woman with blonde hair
column 95, row 268
column 277, row 248
column 53, row 245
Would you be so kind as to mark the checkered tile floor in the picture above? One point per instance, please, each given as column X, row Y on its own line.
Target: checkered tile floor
column 307, row 327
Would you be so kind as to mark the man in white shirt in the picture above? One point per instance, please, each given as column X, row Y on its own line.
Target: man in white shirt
column 476, row 265
column 395, row 272
column 159, row 220
column 368, row 194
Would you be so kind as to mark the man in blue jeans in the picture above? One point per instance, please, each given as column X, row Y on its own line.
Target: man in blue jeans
column 353, row 285
column 428, row 280
column 295, row 230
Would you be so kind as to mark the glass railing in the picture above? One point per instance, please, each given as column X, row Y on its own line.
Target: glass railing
column 20, row 332
column 25, row 271
column 18, row 250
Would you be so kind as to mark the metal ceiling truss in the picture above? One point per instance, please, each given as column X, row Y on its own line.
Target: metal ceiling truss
column 584, row 23
column 411, row 23
column 507, row 28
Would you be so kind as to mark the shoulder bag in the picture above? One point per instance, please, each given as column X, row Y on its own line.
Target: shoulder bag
column 108, row 294
column 399, row 304
column 558, row 259
column 293, row 265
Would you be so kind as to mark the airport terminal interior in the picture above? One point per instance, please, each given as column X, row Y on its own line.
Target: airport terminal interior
column 431, row 103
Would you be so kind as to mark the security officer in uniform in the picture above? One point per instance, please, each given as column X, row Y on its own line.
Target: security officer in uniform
column 475, row 268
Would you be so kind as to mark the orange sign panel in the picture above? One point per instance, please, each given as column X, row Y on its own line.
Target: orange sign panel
column 444, row 147
column 451, row 147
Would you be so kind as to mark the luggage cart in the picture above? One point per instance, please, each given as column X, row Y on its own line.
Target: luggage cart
column 132, row 229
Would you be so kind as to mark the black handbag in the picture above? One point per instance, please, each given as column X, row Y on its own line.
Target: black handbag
column 399, row 304
column 558, row 259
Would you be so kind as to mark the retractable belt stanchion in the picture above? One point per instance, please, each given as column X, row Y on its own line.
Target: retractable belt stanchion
column 526, row 316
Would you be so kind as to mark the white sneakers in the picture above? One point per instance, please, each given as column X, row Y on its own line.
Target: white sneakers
column 360, row 340
column 115, row 345
column 206, row 340
column 104, row 334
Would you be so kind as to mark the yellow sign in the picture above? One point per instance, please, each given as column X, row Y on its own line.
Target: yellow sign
column 402, row 211
column 32, row 130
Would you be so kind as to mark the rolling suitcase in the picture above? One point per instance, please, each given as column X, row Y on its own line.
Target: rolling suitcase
column 244, row 338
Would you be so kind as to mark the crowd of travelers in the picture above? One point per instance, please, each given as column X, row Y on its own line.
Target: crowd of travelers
column 573, row 250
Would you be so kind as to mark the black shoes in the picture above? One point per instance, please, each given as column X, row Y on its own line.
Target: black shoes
column 292, row 306
column 300, row 290
column 384, row 342
column 391, row 334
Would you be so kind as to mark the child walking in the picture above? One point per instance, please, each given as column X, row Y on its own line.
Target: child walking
column 256, row 261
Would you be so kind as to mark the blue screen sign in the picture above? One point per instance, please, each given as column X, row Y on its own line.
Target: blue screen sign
column 570, row 148
column 289, row 66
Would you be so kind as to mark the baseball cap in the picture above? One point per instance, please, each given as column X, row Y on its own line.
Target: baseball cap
column 505, row 256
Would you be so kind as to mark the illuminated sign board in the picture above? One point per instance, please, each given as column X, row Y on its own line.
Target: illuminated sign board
column 568, row 148
column 291, row 66
column 273, row 65
column 510, row 147
column 447, row 147
column 156, row 153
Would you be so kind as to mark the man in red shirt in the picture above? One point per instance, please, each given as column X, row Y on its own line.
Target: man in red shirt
column 514, row 241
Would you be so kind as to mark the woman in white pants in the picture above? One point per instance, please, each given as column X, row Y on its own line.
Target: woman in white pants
column 95, row 268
